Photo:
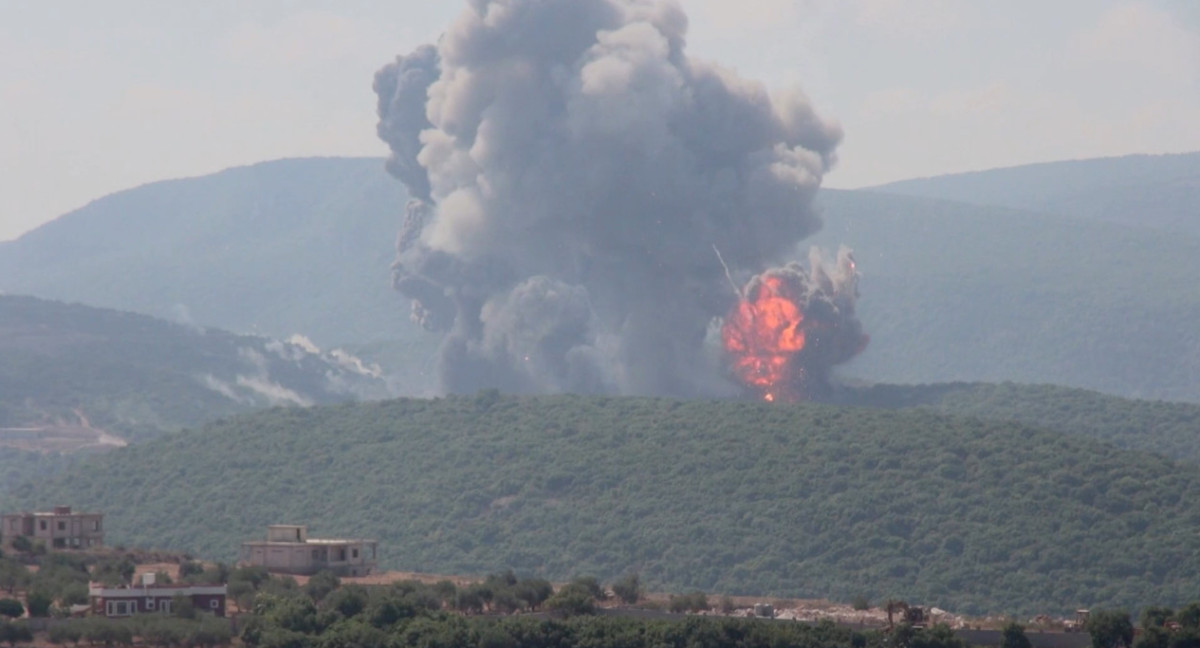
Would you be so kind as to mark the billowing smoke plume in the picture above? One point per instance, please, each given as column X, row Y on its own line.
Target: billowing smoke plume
column 570, row 169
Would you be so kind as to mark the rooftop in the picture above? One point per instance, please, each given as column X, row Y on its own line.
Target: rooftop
column 311, row 541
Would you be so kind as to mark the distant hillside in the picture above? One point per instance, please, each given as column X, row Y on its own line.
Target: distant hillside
column 950, row 291
column 292, row 246
column 69, row 373
column 1164, row 428
column 731, row 497
column 1158, row 191
column 961, row 292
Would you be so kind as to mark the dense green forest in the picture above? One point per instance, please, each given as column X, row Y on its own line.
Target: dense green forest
column 1166, row 428
column 409, row 615
column 728, row 497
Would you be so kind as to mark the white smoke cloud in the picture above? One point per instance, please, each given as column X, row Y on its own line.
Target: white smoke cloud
column 303, row 342
column 354, row 364
column 223, row 388
column 275, row 393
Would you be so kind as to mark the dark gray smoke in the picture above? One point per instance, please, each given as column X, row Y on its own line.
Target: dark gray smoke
column 571, row 169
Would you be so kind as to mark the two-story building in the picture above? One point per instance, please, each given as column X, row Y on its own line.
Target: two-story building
column 149, row 596
column 59, row 529
column 289, row 550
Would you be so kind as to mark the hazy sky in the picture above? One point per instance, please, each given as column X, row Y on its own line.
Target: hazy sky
column 97, row 96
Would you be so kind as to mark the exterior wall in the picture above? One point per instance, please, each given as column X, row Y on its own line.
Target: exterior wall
column 287, row 533
column 288, row 557
column 18, row 524
column 126, row 601
column 61, row 529
column 347, row 558
column 343, row 557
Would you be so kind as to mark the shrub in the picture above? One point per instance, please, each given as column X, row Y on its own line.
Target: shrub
column 572, row 600
column 692, row 602
column 1014, row 637
column 628, row 589
column 15, row 632
column 39, row 603
column 69, row 631
column 11, row 608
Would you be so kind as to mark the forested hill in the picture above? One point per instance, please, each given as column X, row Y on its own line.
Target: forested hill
column 955, row 292
column 274, row 249
column 729, row 497
column 1166, row 428
column 1154, row 191
column 138, row 376
column 950, row 291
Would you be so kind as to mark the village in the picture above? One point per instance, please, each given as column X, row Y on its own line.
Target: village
column 152, row 587
column 165, row 584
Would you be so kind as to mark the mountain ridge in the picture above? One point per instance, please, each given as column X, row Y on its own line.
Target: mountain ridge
column 950, row 291
column 1159, row 191
column 229, row 250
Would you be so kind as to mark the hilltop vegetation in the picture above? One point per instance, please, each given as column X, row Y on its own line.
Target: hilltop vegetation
column 79, row 379
column 1155, row 191
column 137, row 376
column 726, row 497
column 1168, row 429
column 273, row 249
column 956, row 292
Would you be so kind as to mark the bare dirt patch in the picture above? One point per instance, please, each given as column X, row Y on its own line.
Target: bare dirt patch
column 60, row 436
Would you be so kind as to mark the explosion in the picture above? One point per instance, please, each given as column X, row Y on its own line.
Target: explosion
column 761, row 333
column 569, row 166
column 789, row 327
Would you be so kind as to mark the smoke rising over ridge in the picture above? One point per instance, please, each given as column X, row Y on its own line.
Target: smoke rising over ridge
column 570, row 170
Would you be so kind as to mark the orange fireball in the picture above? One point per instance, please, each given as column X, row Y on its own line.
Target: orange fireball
column 761, row 334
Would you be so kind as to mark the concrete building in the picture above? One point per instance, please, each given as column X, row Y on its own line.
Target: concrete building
column 60, row 529
column 151, row 597
column 289, row 550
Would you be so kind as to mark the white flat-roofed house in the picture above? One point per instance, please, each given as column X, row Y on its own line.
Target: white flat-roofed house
column 289, row 550
column 150, row 597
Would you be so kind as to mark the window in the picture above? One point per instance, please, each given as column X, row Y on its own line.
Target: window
column 354, row 553
column 62, row 525
column 42, row 525
column 118, row 608
column 95, row 525
column 164, row 606
column 149, row 604
column 214, row 603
